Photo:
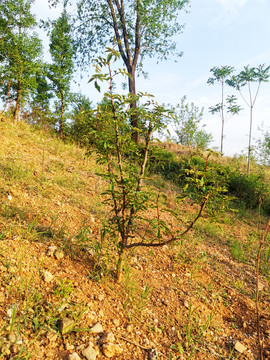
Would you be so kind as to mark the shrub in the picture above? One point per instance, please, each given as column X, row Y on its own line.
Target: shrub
column 247, row 188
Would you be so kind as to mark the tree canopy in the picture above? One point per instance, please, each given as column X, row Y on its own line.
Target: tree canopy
column 19, row 51
column 61, row 70
column 140, row 29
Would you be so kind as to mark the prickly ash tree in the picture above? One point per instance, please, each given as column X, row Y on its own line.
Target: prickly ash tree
column 125, row 170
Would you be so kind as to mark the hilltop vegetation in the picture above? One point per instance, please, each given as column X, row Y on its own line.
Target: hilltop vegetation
column 194, row 298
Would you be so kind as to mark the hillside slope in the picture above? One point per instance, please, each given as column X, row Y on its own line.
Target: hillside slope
column 192, row 300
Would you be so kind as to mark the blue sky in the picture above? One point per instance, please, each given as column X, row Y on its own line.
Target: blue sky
column 217, row 33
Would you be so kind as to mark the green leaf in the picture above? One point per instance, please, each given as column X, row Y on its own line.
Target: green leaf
column 97, row 86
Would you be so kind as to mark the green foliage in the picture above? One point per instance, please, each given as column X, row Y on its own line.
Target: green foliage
column 164, row 162
column 246, row 78
column 196, row 176
column 139, row 29
column 126, row 195
column 39, row 112
column 222, row 75
column 82, row 120
column 248, row 189
column 263, row 149
column 19, row 52
column 62, row 67
column 204, row 179
column 148, row 27
column 188, row 128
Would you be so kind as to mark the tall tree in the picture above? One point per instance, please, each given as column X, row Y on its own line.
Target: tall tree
column 61, row 70
column 188, row 127
column 140, row 28
column 227, row 105
column 263, row 148
column 247, row 77
column 19, row 51
column 39, row 112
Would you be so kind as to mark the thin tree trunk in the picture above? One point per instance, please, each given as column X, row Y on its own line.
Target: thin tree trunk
column 119, row 266
column 249, row 141
column 134, row 117
column 18, row 101
column 222, row 118
column 62, row 115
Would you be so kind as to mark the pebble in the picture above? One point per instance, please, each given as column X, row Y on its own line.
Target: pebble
column 74, row 356
column 47, row 276
column 51, row 249
column 260, row 286
column 68, row 346
column 97, row 328
column 15, row 338
column 65, row 325
column 107, row 338
column 240, row 347
column 89, row 353
column 99, row 297
column 91, row 251
column 129, row 328
column 59, row 254
column 52, row 336
column 111, row 350
column 116, row 322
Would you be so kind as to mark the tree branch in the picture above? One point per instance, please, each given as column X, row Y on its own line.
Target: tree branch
column 116, row 31
column 174, row 238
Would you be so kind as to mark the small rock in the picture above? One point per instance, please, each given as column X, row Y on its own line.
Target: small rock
column 65, row 325
column 52, row 336
column 97, row 328
column 99, row 297
column 260, row 286
column 59, row 254
column 240, row 347
column 107, row 338
column 74, row 356
column 129, row 328
column 92, row 219
column 116, row 322
column 51, row 249
column 68, row 346
column 63, row 307
column 89, row 353
column 133, row 260
column 47, row 276
column 11, row 310
column 15, row 338
column 186, row 304
column 111, row 350
column 91, row 251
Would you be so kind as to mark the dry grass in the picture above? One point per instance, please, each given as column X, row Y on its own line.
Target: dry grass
column 192, row 300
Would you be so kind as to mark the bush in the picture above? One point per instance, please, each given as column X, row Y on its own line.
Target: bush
column 163, row 162
column 248, row 189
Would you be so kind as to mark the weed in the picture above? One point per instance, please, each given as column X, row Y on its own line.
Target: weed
column 237, row 251
column 64, row 288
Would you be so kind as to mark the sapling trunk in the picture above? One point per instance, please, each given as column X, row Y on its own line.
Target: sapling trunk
column 119, row 266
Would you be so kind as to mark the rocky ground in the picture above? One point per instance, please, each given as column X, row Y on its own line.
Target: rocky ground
column 59, row 299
